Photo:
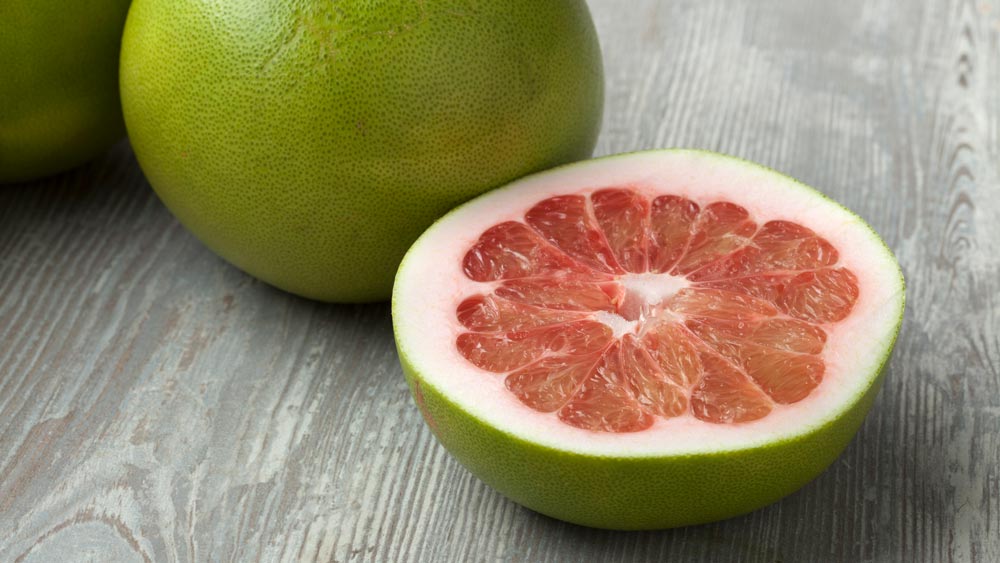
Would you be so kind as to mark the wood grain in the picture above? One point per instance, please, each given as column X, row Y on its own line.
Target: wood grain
column 158, row 405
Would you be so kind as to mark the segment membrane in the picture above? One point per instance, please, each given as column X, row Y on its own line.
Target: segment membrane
column 737, row 330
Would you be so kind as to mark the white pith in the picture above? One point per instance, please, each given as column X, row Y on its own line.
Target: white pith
column 653, row 289
column 430, row 285
column 618, row 324
column 647, row 293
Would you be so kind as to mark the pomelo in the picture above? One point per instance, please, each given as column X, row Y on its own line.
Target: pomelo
column 648, row 340
column 310, row 143
column 59, row 103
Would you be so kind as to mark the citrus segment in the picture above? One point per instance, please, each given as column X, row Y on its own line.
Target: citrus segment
column 720, row 304
column 820, row 296
column 656, row 392
column 721, row 229
column 500, row 352
column 789, row 334
column 778, row 246
column 603, row 403
column 784, row 376
column 670, row 230
column 624, row 218
column 669, row 346
column 548, row 384
column 725, row 395
column 562, row 293
column 565, row 222
column 491, row 313
column 506, row 351
column 512, row 250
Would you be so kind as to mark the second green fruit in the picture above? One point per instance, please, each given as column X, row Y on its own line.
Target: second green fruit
column 310, row 143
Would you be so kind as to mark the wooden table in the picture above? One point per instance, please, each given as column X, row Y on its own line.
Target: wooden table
column 156, row 404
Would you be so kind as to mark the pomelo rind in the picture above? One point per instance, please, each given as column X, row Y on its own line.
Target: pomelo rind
column 59, row 103
column 309, row 143
column 641, row 490
column 635, row 493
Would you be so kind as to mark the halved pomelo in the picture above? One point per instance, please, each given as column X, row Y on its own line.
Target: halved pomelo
column 648, row 340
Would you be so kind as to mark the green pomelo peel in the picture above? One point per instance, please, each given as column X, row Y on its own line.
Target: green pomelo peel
column 311, row 143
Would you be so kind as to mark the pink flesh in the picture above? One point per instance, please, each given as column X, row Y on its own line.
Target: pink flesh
column 744, row 336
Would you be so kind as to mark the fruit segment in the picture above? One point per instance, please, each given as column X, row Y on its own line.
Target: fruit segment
column 670, row 224
column 777, row 246
column 649, row 385
column 493, row 313
column 506, row 351
column 623, row 216
column 721, row 229
column 785, row 377
column 669, row 346
column 565, row 222
column 563, row 293
column 720, row 304
column 512, row 250
column 788, row 334
column 819, row 296
column 725, row 395
column 613, row 310
column 549, row 384
column 604, row 403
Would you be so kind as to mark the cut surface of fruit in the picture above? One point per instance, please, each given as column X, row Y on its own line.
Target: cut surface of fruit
column 674, row 297
column 656, row 328
column 729, row 315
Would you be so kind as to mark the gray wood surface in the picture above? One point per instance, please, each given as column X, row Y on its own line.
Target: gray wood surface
column 157, row 404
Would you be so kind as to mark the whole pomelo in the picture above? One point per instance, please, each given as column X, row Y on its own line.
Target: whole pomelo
column 310, row 143
column 59, row 104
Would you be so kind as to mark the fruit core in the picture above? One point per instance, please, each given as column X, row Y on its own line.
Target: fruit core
column 611, row 309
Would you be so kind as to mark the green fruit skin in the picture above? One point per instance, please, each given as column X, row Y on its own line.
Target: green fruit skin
column 311, row 143
column 59, row 103
column 639, row 493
